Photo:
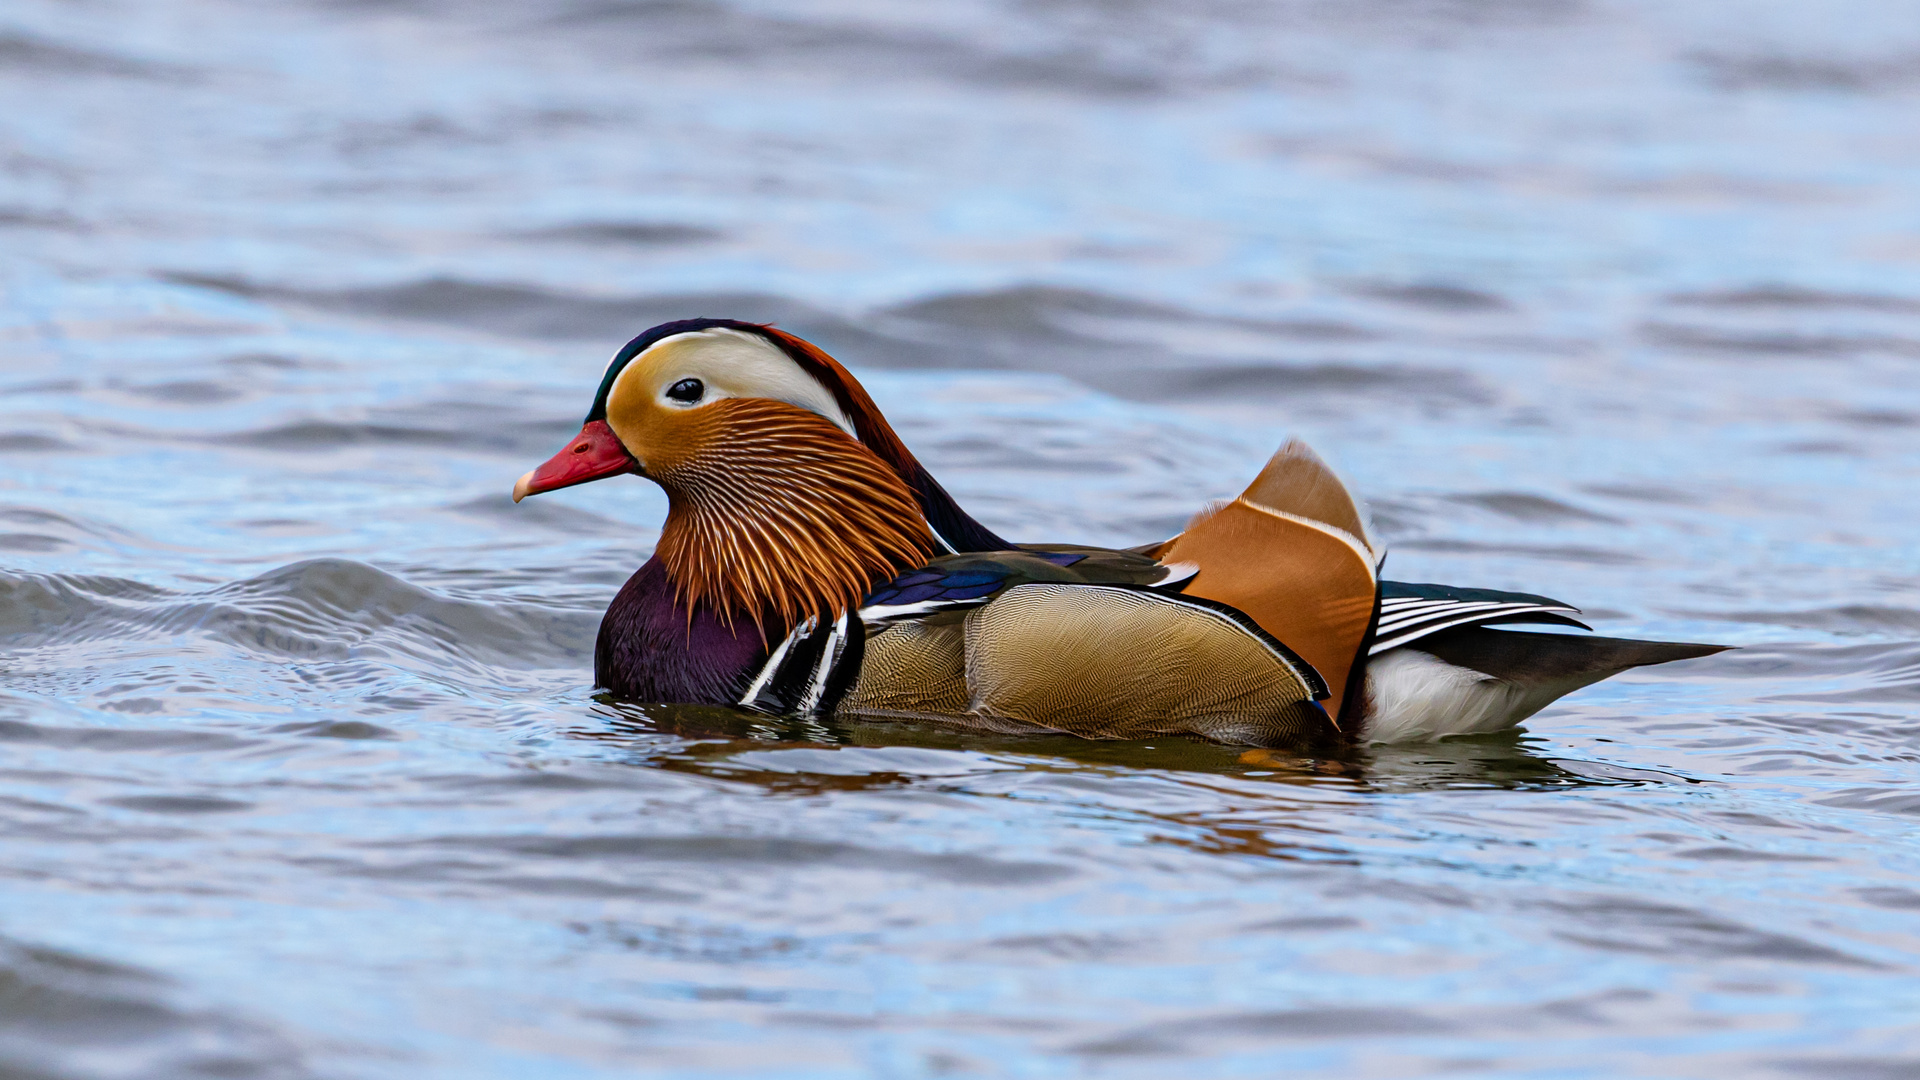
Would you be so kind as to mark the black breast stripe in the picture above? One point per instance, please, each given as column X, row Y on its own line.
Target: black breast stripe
column 810, row 670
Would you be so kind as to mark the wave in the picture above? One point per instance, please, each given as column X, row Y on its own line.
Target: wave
column 1124, row 346
column 689, row 29
column 1436, row 297
column 27, row 530
column 324, row 609
column 624, row 234
column 1827, row 74
column 1572, row 553
column 1839, row 619
column 1780, row 343
column 523, row 311
column 1795, row 298
column 67, row 1013
column 23, row 52
column 1521, row 506
column 1886, row 673
column 1426, row 385
column 437, row 425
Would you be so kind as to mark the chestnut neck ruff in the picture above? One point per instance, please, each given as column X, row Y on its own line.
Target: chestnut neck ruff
column 779, row 515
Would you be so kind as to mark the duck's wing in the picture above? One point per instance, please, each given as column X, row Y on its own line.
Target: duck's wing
column 1293, row 553
column 1091, row 641
column 813, row 666
column 1409, row 612
column 1125, row 662
column 1102, row 661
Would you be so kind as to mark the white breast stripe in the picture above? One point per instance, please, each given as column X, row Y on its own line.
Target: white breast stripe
column 817, row 685
column 773, row 662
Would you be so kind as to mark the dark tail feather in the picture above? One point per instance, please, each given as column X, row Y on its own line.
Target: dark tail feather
column 1412, row 699
column 1532, row 659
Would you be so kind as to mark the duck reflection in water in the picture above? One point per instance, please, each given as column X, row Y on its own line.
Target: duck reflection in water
column 812, row 755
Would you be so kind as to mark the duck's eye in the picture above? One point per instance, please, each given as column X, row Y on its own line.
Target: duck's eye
column 686, row 391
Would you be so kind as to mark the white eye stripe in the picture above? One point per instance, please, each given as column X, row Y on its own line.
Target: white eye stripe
column 729, row 364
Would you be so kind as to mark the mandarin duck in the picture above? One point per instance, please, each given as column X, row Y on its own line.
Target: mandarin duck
column 809, row 564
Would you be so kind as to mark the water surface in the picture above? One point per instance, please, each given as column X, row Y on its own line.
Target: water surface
column 303, row 774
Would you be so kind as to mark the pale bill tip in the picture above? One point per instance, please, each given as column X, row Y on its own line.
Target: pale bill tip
column 523, row 487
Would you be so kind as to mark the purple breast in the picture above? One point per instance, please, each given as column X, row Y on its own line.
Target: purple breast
column 649, row 651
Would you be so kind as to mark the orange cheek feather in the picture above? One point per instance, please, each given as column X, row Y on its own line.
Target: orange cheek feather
column 774, row 513
column 664, row 440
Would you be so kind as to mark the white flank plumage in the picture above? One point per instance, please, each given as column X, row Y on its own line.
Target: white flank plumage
column 1416, row 697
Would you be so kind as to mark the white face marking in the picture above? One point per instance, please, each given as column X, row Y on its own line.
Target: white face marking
column 728, row 364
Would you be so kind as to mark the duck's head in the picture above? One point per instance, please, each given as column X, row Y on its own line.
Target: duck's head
column 789, row 494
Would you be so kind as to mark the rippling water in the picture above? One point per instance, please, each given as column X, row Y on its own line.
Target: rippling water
column 303, row 776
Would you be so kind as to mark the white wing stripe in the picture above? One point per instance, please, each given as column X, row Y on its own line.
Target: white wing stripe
column 883, row 613
column 1399, row 618
column 1449, row 616
column 1406, row 606
column 1407, row 634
